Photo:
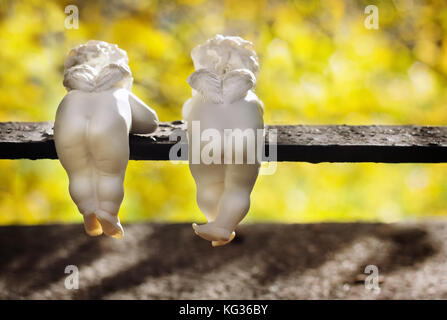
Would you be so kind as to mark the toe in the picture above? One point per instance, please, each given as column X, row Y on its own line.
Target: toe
column 92, row 225
column 210, row 232
column 110, row 225
column 222, row 243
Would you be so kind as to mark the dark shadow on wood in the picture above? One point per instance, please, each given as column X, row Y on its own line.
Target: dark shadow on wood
column 33, row 259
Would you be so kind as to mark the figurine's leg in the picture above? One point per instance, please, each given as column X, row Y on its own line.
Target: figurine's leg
column 110, row 195
column 109, row 146
column 210, row 186
column 234, row 204
column 82, row 192
column 210, row 183
column 73, row 154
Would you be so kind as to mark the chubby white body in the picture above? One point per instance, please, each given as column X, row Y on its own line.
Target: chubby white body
column 91, row 134
column 223, row 101
column 92, row 141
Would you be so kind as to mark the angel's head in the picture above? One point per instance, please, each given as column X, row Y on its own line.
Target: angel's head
column 97, row 66
column 223, row 54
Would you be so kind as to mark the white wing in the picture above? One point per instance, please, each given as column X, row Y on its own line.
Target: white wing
column 80, row 78
column 236, row 84
column 110, row 75
column 207, row 83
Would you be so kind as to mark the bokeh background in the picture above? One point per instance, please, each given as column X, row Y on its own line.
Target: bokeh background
column 319, row 65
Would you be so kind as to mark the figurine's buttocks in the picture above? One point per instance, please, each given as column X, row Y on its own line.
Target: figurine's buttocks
column 97, row 111
column 91, row 132
column 114, row 102
column 243, row 114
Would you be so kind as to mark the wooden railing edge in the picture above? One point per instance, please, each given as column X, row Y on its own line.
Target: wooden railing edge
column 297, row 143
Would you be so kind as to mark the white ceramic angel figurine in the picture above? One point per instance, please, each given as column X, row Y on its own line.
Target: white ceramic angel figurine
column 91, row 131
column 222, row 99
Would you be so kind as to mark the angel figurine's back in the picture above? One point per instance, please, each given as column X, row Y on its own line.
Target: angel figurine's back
column 91, row 131
column 223, row 99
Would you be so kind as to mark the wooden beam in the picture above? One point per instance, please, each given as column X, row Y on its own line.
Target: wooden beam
column 298, row 143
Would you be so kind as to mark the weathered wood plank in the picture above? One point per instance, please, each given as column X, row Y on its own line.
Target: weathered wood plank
column 307, row 143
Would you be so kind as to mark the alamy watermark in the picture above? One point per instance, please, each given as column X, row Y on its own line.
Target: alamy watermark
column 372, row 20
column 72, row 20
column 72, row 280
column 227, row 146
column 372, row 280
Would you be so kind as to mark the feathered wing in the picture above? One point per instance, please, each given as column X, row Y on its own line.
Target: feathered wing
column 208, row 83
column 86, row 78
column 229, row 88
column 81, row 77
column 144, row 119
column 110, row 75
column 236, row 84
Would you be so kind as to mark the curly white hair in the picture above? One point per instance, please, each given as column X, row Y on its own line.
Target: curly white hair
column 223, row 54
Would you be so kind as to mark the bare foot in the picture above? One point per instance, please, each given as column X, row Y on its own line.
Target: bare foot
column 92, row 225
column 209, row 231
column 110, row 224
column 222, row 243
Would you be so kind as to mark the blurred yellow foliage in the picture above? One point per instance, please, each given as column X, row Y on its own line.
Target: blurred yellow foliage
column 319, row 65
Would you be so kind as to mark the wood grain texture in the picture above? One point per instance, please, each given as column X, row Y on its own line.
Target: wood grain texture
column 298, row 143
